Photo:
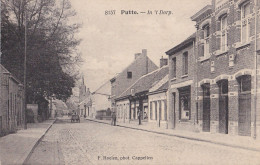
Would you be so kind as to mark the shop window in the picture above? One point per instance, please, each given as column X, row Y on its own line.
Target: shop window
column 185, row 63
column 245, row 11
column 185, row 102
column 223, row 27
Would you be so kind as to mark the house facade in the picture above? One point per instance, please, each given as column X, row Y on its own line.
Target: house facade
column 181, row 92
column 139, row 67
column 11, row 103
column 158, row 96
column 227, row 55
column 100, row 99
column 135, row 98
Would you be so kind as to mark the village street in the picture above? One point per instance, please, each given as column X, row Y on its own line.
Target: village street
column 95, row 143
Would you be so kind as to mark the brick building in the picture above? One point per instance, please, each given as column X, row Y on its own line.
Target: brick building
column 135, row 97
column 11, row 103
column 227, row 70
column 181, row 92
column 139, row 67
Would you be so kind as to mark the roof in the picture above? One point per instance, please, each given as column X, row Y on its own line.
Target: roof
column 204, row 10
column 102, row 87
column 182, row 45
column 144, row 83
column 11, row 75
column 118, row 74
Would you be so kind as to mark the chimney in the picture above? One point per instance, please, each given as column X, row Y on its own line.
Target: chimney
column 144, row 52
column 163, row 62
column 137, row 55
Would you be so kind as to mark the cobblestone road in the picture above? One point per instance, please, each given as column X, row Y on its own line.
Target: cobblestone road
column 94, row 143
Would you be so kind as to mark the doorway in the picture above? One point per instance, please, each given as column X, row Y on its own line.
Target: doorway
column 244, row 114
column 223, row 106
column 206, row 108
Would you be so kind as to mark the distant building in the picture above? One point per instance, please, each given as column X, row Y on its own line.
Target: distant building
column 11, row 102
column 100, row 99
column 84, row 100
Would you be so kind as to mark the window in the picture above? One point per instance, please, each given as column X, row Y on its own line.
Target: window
column 129, row 75
column 244, row 84
column 165, row 109
column 185, row 63
column 155, row 110
column 223, row 87
column 245, row 11
column 174, row 67
column 206, row 34
column 185, row 102
column 223, row 28
column 206, row 90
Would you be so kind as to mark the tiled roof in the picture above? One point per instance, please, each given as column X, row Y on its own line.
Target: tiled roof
column 145, row 82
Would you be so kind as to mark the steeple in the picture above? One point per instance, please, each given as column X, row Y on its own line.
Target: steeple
column 83, row 80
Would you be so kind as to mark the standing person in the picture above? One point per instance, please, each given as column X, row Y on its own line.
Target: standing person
column 139, row 116
column 113, row 119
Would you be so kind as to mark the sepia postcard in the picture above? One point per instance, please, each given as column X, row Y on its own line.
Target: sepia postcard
column 130, row 82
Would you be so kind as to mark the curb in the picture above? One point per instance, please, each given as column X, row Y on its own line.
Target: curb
column 36, row 144
column 186, row 137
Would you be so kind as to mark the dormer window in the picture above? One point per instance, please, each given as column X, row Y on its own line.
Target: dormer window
column 223, row 28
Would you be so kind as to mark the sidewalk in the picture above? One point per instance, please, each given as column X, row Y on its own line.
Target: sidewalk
column 243, row 142
column 15, row 148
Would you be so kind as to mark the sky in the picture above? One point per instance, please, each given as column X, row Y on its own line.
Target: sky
column 109, row 42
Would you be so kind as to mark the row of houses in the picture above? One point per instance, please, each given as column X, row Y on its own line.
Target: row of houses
column 11, row 103
column 208, row 83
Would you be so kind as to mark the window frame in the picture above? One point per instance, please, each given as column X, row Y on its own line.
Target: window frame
column 241, row 82
column 174, row 67
column 185, row 93
column 129, row 75
column 185, row 64
column 244, row 19
column 206, row 34
column 223, row 30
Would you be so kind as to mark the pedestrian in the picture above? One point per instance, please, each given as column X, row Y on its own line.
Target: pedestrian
column 139, row 116
column 113, row 119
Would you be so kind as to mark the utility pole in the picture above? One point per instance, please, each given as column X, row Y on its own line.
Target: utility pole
column 25, row 63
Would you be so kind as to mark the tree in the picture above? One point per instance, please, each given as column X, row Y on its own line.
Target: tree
column 51, row 53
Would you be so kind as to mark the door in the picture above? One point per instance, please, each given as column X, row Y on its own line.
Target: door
column 206, row 108
column 223, row 114
column 244, row 120
column 206, row 115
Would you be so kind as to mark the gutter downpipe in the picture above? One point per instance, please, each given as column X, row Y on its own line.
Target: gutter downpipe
column 196, row 69
column 255, row 83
